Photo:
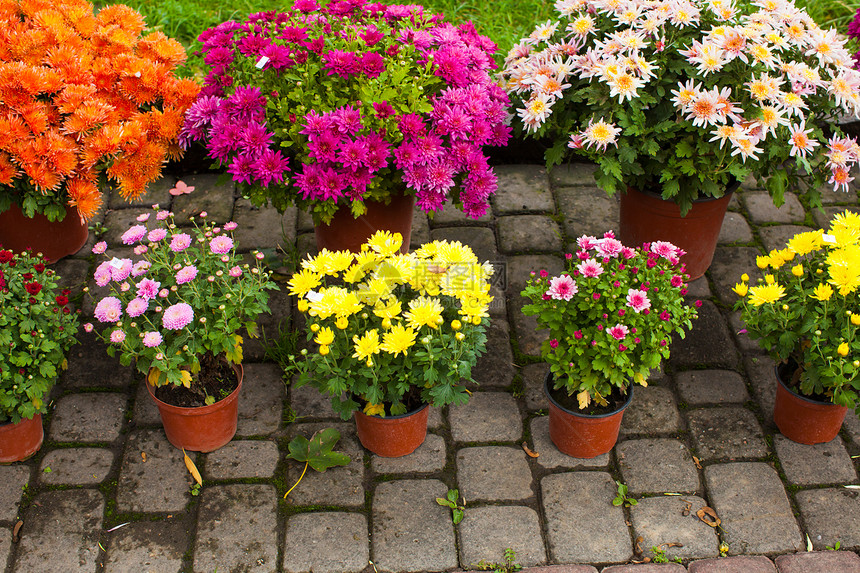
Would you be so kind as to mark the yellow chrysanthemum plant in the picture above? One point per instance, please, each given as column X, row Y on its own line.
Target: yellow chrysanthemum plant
column 804, row 309
column 387, row 331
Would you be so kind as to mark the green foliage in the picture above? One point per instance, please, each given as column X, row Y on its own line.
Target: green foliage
column 507, row 565
column 622, row 498
column 318, row 451
column 452, row 500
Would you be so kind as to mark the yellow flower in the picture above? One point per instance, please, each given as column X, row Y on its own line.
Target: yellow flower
column 335, row 300
column 460, row 336
column 353, row 274
column 398, row 339
column 385, row 243
column 845, row 227
column 822, row 292
column 450, row 253
column 797, row 270
column 315, row 327
column 374, row 409
column 424, row 311
column 803, row 243
column 745, row 278
column 387, row 309
column 319, row 263
column 372, row 290
column 302, row 305
column 339, row 261
column 855, row 319
column 769, row 279
column 325, row 336
column 366, row 346
column 843, row 349
column 844, row 276
column 759, row 295
column 456, row 324
column 324, row 350
column 303, row 281
column 341, row 322
column 740, row 289
column 762, row 262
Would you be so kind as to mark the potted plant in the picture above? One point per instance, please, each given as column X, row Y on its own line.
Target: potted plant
column 37, row 328
column 391, row 333
column 85, row 99
column 679, row 102
column 350, row 107
column 611, row 317
column 803, row 312
column 177, row 311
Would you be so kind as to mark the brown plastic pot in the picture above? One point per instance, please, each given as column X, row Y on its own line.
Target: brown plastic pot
column 392, row 436
column 54, row 239
column 647, row 217
column 583, row 435
column 804, row 420
column 201, row 429
column 20, row 441
column 346, row 233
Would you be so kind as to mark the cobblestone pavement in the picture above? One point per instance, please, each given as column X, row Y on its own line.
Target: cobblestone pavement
column 700, row 434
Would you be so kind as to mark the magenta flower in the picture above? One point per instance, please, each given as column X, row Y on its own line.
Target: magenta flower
column 133, row 235
column 186, row 274
column 578, row 335
column 638, row 300
column 230, row 226
column 100, row 247
column 609, row 247
column 152, row 339
column 664, row 315
column 562, row 288
column 117, row 336
column 179, row 242
column 109, row 309
column 140, row 249
column 120, row 269
column 140, row 268
column 136, row 307
column 156, row 235
column 235, row 272
column 177, row 316
column 147, row 289
column 102, row 274
column 553, row 343
column 676, row 281
column 162, row 215
column 590, row 268
column 618, row 332
column 665, row 250
column 221, row 244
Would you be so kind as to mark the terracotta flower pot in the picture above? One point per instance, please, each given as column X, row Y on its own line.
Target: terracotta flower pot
column 202, row 429
column 54, row 239
column 346, row 233
column 20, row 441
column 804, row 420
column 583, row 435
column 392, row 436
column 647, row 217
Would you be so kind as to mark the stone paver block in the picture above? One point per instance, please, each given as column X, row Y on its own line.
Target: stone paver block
column 698, row 387
column 145, row 411
column 699, row 288
column 533, row 382
column 776, row 237
column 587, row 211
column 726, row 433
column 157, row 192
column 158, row 482
column 270, row 325
column 118, row 222
column 550, row 457
column 487, row 532
column 657, row 466
column 403, row 543
column 209, row 195
column 520, row 267
column 243, row 459
column 147, row 546
column 522, row 188
column 831, row 516
column 735, row 229
column 72, row 274
column 341, row 485
column 487, row 417
column 660, row 520
column 762, row 210
column 572, row 175
column 95, row 417
column 746, row 344
column 75, row 466
column 841, row 561
column 708, row 343
column 528, row 233
column 90, row 366
column 334, row 542
column 61, row 533
column 263, row 228
column 823, row 219
column 12, row 482
column 308, row 402
column 420, row 229
column 576, row 505
column 495, row 369
column 815, row 465
column 237, row 529
column 852, row 426
column 652, row 411
column 727, row 267
column 646, row 568
column 561, row 569
column 429, row 457
column 751, row 502
column 760, row 370
column 740, row 564
column 494, row 473
column 529, row 339
column 451, row 215
column 5, row 546
column 481, row 240
column 260, row 404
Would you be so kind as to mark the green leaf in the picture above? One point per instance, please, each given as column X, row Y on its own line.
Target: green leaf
column 317, row 451
column 445, row 503
column 458, row 516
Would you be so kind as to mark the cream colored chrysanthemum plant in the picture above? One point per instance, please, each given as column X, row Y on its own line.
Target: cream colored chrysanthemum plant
column 686, row 97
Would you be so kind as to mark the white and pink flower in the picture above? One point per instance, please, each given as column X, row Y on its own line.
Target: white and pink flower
column 618, row 332
column 562, row 288
column 638, row 300
column 178, row 316
column 590, row 268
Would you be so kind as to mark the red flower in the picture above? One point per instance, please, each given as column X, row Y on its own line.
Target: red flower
column 27, row 276
column 6, row 256
column 39, row 267
column 33, row 288
column 62, row 300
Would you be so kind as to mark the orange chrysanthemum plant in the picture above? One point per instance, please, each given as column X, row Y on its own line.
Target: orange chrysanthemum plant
column 85, row 98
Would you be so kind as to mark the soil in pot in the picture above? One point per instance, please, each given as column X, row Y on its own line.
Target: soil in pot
column 614, row 402
column 216, row 378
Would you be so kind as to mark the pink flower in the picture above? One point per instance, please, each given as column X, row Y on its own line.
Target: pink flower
column 698, row 304
column 124, row 286
column 676, row 281
column 562, row 288
column 120, row 269
column 102, row 274
column 143, row 218
column 177, row 316
column 163, row 293
column 186, row 274
column 638, row 300
column 665, row 250
column 136, row 307
column 628, row 253
column 568, row 256
column 230, row 226
column 609, row 247
column 109, row 309
column 162, row 215
column 117, row 336
column 133, row 235
column 586, row 242
column 590, row 268
column 622, row 348
column 221, row 244
column 203, row 214
column 577, row 335
column 543, row 274
column 152, row 339
column 88, row 327
column 147, row 289
column 140, row 249
column 140, row 268
column 553, row 343
column 664, row 315
column 618, row 332
column 225, row 258
column 100, row 247
column 596, row 296
column 156, row 235
column 235, row 272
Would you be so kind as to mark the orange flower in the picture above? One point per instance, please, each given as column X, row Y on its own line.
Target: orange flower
column 8, row 171
column 85, row 195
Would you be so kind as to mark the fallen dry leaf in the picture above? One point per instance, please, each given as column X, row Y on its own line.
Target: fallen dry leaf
column 143, row 456
column 192, row 469
column 687, row 507
column 638, row 548
column 16, row 531
column 696, row 461
column 529, row 452
column 708, row 516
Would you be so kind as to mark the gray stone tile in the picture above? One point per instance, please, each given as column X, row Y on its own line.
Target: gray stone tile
column 72, row 274
column 762, row 210
column 481, row 240
column 487, row 417
column 726, row 433
column 145, row 412
column 709, row 342
column 739, row 564
column 572, row 175
column 209, row 195
column 332, row 542
column 742, row 338
column 577, row 504
column 851, row 425
column 13, row 478
column 308, row 402
column 90, row 366
column 528, row 338
column 341, row 485
column 495, row 369
column 646, row 568
column 533, row 382
column 735, row 229
column 450, row 215
column 586, row 211
column 157, row 192
column 831, row 516
column 699, row 288
column 151, row 546
column 158, row 482
column 5, row 546
column 550, row 457
column 660, row 520
column 243, row 459
column 260, row 404
column 727, row 267
column 652, row 411
column 487, row 532
column 224, row 538
column 420, row 233
column 94, row 417
column 657, row 466
column 519, row 268
column 776, row 237
column 699, row 387
column 75, row 466
column 263, row 228
column 480, row 477
column 429, row 457
column 522, row 188
column 528, row 233
column 827, row 463
column 841, row 561
column 270, row 325
column 62, row 532
column 403, row 543
column 118, row 222
column 751, row 502
column 823, row 219
column 760, row 370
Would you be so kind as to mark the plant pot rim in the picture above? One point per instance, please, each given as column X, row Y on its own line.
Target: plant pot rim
column 730, row 189
column 799, row 396
column 397, row 417
column 546, row 390
column 199, row 410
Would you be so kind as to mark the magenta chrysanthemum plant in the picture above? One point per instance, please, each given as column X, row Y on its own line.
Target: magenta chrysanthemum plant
column 611, row 314
column 687, row 97
column 854, row 34
column 186, row 297
column 327, row 107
